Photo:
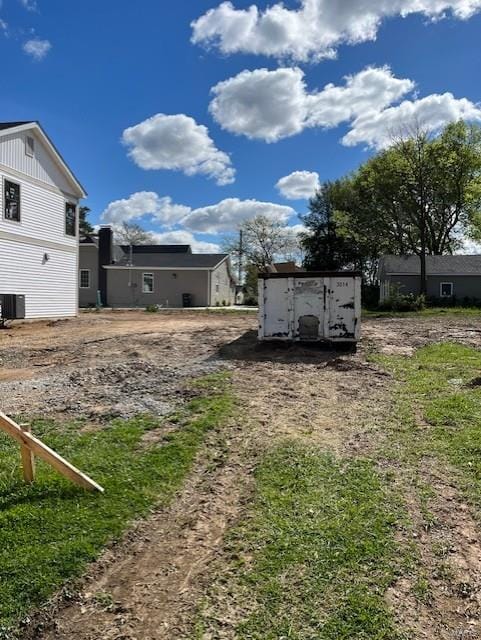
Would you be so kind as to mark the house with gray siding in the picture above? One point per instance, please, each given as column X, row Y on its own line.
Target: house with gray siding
column 122, row 276
column 39, row 197
column 448, row 277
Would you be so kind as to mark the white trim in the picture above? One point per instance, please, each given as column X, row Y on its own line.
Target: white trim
column 46, row 140
column 174, row 269
column 36, row 242
column 151, row 275
column 35, row 181
column 441, row 284
column 80, row 279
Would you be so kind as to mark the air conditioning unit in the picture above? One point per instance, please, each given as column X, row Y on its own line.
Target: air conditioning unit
column 12, row 306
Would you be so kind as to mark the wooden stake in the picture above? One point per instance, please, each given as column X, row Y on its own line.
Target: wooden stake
column 28, row 459
column 36, row 446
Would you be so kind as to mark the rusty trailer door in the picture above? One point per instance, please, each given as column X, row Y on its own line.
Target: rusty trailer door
column 309, row 301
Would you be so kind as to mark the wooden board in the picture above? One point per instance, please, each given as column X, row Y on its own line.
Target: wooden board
column 37, row 447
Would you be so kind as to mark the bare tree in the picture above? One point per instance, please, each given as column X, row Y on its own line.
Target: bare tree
column 132, row 234
column 264, row 241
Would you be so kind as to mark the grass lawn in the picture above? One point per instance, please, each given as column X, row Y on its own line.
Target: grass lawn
column 425, row 313
column 442, row 382
column 50, row 530
column 319, row 548
column 314, row 557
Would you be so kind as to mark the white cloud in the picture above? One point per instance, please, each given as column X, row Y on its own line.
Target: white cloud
column 225, row 216
column 177, row 142
column 132, row 208
column 168, row 213
column 37, row 48
column 30, row 5
column 470, row 247
column 299, row 185
column 431, row 113
column 271, row 105
column 3, row 27
column 181, row 236
column 298, row 228
column 316, row 28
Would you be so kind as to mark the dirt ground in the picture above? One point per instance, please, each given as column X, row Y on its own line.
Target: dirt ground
column 117, row 364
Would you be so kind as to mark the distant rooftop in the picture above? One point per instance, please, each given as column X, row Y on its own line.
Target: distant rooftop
column 172, row 260
column 435, row 265
column 157, row 248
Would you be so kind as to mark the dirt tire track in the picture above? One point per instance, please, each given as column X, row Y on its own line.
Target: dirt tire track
column 155, row 580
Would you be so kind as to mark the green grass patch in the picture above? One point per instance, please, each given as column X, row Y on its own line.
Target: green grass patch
column 430, row 312
column 50, row 530
column 440, row 384
column 320, row 551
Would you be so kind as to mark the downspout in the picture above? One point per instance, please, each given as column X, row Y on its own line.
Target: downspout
column 209, row 289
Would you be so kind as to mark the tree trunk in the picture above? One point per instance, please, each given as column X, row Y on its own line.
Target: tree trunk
column 423, row 288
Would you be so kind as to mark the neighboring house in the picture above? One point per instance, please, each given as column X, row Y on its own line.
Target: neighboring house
column 38, row 223
column 145, row 275
column 448, row 277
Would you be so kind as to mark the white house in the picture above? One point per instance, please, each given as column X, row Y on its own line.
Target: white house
column 39, row 198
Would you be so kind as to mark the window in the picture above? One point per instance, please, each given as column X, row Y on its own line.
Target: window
column 12, row 201
column 29, row 146
column 148, row 283
column 70, row 219
column 85, row 278
column 446, row 289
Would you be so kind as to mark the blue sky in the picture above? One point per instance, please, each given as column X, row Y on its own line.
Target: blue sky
column 89, row 70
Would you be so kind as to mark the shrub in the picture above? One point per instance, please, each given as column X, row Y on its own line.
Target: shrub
column 152, row 308
column 404, row 302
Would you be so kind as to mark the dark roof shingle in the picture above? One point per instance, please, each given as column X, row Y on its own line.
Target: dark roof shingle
column 435, row 265
column 173, row 260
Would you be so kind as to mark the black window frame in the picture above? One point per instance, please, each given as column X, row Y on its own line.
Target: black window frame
column 81, row 286
column 443, row 295
column 7, row 200
column 68, row 221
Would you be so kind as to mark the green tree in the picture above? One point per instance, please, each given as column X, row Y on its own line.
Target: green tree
column 326, row 248
column 84, row 225
column 418, row 196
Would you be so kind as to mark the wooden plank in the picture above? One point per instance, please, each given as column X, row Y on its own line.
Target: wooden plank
column 45, row 453
column 28, row 459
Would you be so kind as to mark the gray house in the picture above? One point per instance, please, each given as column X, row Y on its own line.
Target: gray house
column 448, row 277
column 146, row 275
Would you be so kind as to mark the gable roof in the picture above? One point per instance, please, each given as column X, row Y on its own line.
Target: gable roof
column 156, row 248
column 172, row 260
column 7, row 128
column 435, row 265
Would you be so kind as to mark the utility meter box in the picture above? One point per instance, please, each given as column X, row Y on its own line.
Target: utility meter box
column 308, row 306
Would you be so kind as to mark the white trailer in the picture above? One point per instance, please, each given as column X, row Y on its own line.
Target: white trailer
column 310, row 306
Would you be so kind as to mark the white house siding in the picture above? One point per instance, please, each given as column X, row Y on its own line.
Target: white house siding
column 40, row 167
column 49, row 287
column 42, row 212
column 222, row 289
